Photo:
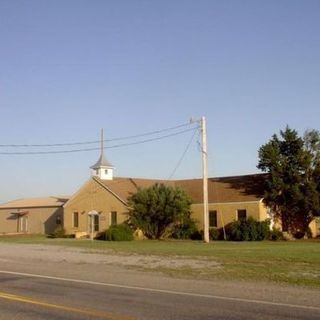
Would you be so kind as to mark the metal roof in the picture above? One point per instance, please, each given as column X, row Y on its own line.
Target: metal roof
column 220, row 190
column 36, row 202
column 102, row 162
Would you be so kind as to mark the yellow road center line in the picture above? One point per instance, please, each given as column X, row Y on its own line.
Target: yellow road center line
column 98, row 314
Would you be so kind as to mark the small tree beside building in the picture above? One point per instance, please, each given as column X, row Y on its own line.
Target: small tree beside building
column 157, row 210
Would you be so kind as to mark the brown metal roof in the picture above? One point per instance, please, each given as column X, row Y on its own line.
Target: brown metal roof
column 124, row 187
column 226, row 189
column 36, row 202
column 220, row 190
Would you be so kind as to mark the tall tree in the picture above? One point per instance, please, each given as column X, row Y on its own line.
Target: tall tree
column 158, row 209
column 292, row 188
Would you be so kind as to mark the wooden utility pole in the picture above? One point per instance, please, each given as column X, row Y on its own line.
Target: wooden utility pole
column 204, row 152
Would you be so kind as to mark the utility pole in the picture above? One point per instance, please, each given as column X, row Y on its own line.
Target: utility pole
column 204, row 151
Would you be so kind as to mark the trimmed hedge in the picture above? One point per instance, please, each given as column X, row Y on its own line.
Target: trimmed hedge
column 119, row 232
column 248, row 230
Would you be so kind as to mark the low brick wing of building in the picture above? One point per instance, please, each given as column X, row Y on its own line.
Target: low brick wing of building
column 33, row 215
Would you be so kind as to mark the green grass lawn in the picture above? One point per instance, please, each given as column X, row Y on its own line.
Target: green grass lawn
column 291, row 262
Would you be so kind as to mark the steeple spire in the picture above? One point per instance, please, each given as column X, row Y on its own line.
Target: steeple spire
column 102, row 168
column 102, row 150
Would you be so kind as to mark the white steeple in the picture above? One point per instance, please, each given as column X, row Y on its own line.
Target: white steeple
column 102, row 169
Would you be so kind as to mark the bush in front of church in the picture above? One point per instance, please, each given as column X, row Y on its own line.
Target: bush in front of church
column 119, row 232
column 59, row 232
column 158, row 210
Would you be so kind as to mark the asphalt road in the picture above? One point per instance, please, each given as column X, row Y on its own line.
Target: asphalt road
column 28, row 297
column 34, row 288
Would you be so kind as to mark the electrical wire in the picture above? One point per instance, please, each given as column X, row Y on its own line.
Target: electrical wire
column 96, row 141
column 182, row 156
column 94, row 149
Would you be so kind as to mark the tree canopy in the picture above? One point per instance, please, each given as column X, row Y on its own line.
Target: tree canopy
column 292, row 188
column 158, row 209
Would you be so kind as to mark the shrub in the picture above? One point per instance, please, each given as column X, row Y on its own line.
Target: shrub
column 59, row 232
column 214, row 234
column 119, row 232
column 185, row 230
column 234, row 231
column 263, row 229
column 197, row 235
column 299, row 234
column 248, row 230
column 276, row 234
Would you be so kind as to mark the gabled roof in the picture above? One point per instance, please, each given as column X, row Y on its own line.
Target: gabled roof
column 220, row 190
column 124, row 187
column 36, row 202
column 226, row 189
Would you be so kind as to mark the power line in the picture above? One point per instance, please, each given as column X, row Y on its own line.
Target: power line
column 95, row 141
column 94, row 149
column 183, row 155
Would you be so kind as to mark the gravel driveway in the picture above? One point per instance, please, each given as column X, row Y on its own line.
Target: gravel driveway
column 56, row 254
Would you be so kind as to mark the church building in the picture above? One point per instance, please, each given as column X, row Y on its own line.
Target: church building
column 102, row 201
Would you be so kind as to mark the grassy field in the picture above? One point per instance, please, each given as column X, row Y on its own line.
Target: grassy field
column 291, row 262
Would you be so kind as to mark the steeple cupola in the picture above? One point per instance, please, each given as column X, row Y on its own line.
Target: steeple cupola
column 102, row 169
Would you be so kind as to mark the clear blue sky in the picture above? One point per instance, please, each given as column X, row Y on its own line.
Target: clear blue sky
column 71, row 67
